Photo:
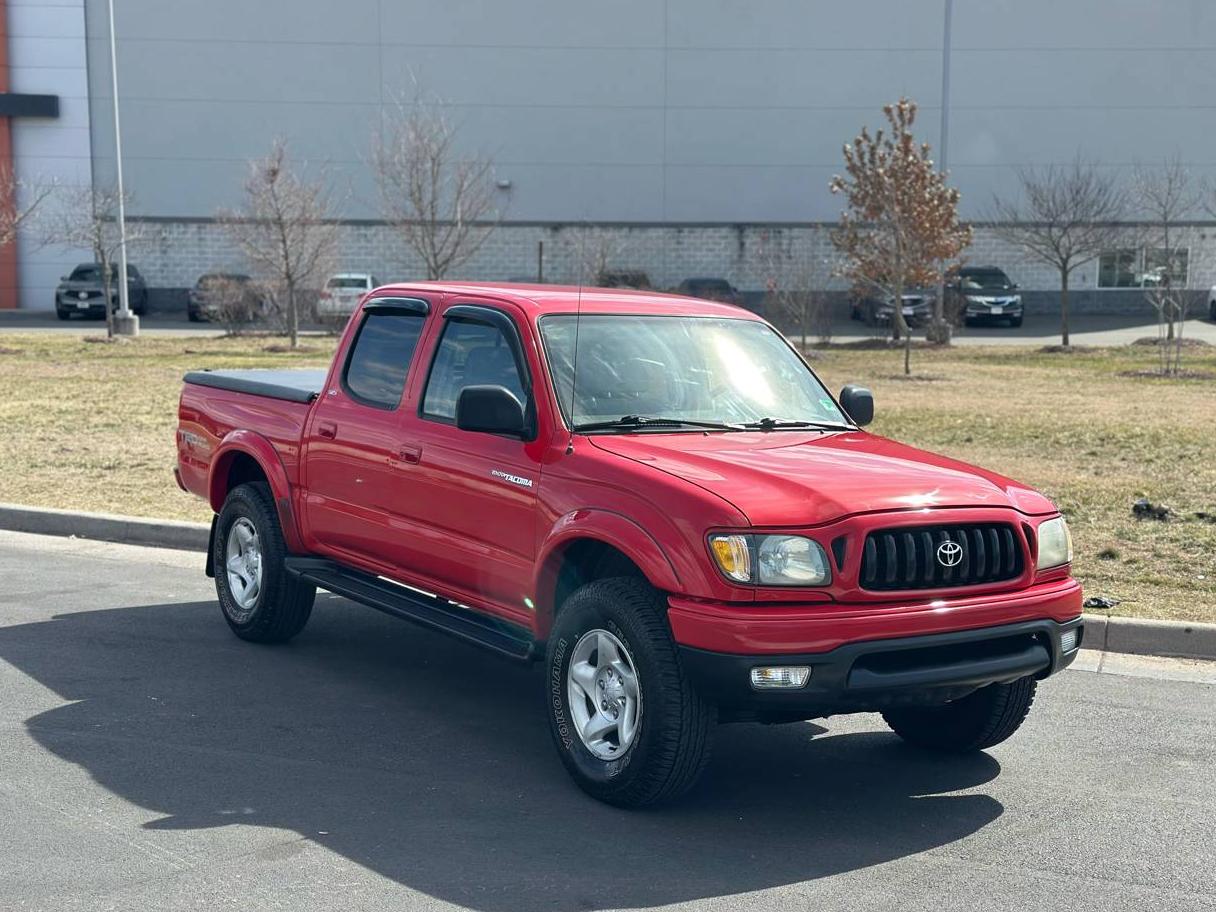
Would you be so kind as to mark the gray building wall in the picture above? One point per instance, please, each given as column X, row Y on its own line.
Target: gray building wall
column 47, row 57
column 701, row 114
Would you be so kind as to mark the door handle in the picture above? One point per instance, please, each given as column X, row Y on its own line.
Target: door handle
column 411, row 455
column 327, row 429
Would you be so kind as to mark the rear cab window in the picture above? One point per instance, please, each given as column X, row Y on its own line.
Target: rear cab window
column 383, row 348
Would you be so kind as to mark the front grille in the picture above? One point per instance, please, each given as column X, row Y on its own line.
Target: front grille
column 932, row 557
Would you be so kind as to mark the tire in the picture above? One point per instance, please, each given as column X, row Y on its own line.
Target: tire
column 672, row 726
column 1212, row 311
column 977, row 721
column 1015, row 322
column 281, row 604
column 62, row 314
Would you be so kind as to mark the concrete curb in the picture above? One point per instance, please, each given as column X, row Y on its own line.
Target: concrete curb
column 1106, row 634
column 127, row 530
column 1180, row 639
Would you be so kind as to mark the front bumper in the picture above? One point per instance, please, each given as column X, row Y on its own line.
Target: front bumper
column 872, row 675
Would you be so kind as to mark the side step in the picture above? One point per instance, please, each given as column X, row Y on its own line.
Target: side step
column 431, row 611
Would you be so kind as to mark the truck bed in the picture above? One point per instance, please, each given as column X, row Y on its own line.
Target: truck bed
column 297, row 385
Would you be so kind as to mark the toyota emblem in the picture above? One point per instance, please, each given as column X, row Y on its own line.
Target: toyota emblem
column 949, row 554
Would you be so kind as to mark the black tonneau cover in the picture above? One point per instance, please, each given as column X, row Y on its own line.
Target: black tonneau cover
column 297, row 385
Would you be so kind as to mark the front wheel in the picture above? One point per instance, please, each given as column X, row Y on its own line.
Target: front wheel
column 628, row 724
column 977, row 721
column 260, row 600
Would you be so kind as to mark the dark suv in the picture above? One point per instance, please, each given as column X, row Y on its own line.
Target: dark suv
column 711, row 290
column 217, row 295
column 82, row 292
column 984, row 294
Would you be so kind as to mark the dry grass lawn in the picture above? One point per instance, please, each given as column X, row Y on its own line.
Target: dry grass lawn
column 90, row 426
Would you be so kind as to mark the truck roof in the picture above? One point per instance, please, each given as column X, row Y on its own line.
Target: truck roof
column 565, row 299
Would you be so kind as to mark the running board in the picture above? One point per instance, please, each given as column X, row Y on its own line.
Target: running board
column 426, row 609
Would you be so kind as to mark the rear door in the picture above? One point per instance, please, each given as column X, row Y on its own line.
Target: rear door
column 353, row 491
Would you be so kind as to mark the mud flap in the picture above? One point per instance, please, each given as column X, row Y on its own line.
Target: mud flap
column 209, row 569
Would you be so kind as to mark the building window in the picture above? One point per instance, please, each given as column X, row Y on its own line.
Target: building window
column 1117, row 269
column 1143, row 268
column 1157, row 265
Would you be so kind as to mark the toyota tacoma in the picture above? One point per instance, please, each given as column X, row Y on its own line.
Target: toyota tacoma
column 652, row 496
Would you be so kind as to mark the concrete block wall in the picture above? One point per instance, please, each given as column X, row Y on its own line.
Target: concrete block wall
column 175, row 253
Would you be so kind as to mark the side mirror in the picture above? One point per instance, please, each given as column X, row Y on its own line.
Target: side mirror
column 858, row 403
column 490, row 409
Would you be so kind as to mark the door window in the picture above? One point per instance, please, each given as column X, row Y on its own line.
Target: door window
column 469, row 354
column 380, row 358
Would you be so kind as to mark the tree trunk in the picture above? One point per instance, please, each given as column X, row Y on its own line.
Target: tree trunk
column 293, row 316
column 1064, row 307
column 105, row 294
column 901, row 326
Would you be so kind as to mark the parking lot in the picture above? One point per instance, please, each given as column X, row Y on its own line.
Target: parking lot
column 154, row 762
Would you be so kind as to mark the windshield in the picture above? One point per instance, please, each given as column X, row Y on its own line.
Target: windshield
column 349, row 282
column 992, row 279
column 91, row 272
column 708, row 369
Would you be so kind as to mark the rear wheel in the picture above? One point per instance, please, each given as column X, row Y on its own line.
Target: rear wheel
column 979, row 720
column 627, row 723
column 261, row 602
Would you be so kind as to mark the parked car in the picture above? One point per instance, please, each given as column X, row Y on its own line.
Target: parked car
column 623, row 278
column 216, row 291
column 1212, row 304
column 984, row 294
column 342, row 292
column 878, row 309
column 711, row 290
column 692, row 531
column 82, row 292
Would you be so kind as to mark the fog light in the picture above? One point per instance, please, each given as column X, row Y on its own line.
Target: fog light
column 1068, row 640
column 780, row 676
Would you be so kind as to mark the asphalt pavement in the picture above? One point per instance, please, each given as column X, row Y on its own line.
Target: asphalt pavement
column 1037, row 330
column 149, row 760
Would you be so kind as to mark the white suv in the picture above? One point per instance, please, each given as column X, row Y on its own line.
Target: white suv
column 342, row 293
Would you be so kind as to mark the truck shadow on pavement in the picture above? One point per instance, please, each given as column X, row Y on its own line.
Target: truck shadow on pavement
column 428, row 762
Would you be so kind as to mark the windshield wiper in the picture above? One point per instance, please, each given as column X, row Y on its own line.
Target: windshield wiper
column 637, row 421
column 774, row 424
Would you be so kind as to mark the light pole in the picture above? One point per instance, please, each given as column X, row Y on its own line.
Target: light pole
column 126, row 323
column 939, row 317
column 945, row 138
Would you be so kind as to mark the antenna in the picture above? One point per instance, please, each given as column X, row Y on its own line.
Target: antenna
column 578, row 315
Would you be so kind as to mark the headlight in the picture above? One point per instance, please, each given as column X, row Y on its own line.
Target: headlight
column 1055, row 543
column 771, row 560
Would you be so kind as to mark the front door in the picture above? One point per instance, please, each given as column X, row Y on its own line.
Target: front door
column 474, row 494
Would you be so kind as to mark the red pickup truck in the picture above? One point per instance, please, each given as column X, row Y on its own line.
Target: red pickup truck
column 654, row 496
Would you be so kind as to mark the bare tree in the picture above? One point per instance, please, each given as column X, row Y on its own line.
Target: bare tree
column 901, row 226
column 87, row 217
column 441, row 204
column 792, row 277
column 16, row 216
column 594, row 251
column 286, row 232
column 1165, row 196
column 1068, row 216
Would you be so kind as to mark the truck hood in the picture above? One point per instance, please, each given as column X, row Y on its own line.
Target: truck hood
column 788, row 478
